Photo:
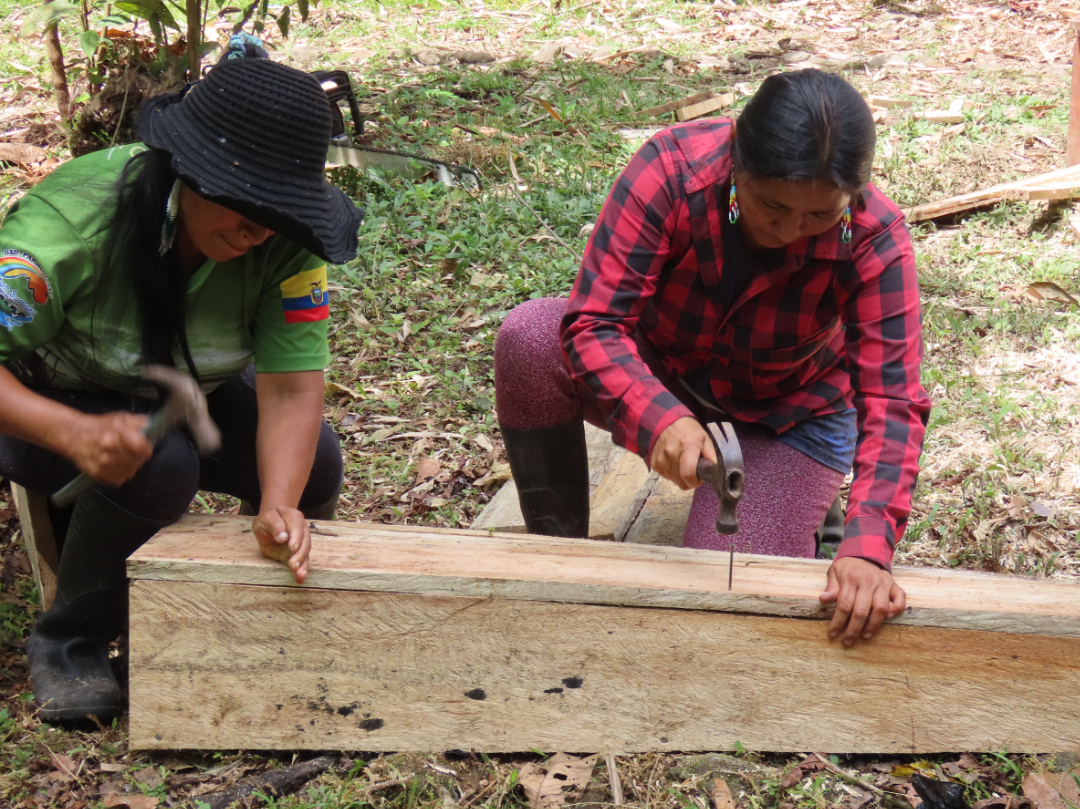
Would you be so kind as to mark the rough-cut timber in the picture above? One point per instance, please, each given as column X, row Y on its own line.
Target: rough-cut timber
column 1060, row 184
column 410, row 639
column 33, row 510
column 704, row 107
column 671, row 106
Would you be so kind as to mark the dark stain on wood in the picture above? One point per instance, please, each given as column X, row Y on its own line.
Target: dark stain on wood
column 573, row 682
column 553, row 691
column 476, row 693
column 371, row 724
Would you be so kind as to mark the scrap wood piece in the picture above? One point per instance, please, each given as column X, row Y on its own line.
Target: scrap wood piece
column 704, row 107
column 661, row 518
column 275, row 783
column 1059, row 184
column 671, row 106
column 560, row 780
column 613, row 780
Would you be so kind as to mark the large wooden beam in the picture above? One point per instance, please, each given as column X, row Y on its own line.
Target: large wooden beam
column 433, row 639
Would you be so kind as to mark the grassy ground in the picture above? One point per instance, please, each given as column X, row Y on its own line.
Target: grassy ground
column 415, row 315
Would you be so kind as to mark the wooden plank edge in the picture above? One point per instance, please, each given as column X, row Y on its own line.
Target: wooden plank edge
column 606, row 595
column 671, row 106
column 1059, row 178
column 38, row 540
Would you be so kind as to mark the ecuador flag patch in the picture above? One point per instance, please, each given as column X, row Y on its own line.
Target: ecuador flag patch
column 305, row 298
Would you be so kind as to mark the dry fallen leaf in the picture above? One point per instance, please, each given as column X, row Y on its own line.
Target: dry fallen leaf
column 1039, row 787
column 561, row 780
column 333, row 389
column 499, row 473
column 721, row 795
column 65, row 766
column 1004, row 802
column 808, row 765
column 358, row 320
column 113, row 799
column 426, row 469
column 1049, row 291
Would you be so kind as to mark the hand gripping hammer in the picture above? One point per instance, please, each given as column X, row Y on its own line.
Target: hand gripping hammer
column 726, row 478
column 185, row 406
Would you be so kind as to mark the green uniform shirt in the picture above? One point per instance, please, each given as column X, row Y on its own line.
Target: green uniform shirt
column 270, row 304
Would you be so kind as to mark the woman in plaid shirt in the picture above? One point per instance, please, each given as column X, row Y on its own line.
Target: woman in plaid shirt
column 745, row 271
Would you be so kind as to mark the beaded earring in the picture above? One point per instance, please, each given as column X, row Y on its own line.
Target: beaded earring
column 733, row 204
column 845, row 226
column 168, row 227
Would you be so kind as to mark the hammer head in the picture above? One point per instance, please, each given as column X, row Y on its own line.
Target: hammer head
column 726, row 476
column 185, row 406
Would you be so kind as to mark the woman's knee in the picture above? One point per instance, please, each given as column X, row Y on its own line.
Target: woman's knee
column 163, row 488
column 533, row 386
column 785, row 498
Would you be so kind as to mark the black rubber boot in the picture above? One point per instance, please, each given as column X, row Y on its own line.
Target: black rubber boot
column 69, row 647
column 831, row 531
column 550, row 466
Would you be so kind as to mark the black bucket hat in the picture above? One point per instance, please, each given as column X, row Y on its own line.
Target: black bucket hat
column 252, row 136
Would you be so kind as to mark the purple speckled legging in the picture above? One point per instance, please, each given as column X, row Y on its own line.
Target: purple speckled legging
column 786, row 493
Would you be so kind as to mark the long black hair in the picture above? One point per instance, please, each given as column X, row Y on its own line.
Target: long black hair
column 134, row 266
column 807, row 125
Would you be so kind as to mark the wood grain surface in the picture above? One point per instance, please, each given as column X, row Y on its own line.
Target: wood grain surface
column 38, row 539
column 224, row 666
column 432, row 561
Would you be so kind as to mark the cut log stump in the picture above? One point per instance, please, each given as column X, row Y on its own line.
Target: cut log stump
column 427, row 640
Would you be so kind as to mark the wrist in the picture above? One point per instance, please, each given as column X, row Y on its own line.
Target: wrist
column 66, row 437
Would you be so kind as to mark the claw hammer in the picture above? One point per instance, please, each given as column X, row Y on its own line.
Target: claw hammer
column 726, row 478
column 185, row 406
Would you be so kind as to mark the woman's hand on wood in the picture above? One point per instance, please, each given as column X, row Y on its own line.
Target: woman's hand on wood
column 284, row 536
column 109, row 447
column 865, row 597
column 675, row 453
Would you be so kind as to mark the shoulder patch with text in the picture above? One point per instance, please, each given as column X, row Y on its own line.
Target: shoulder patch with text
column 305, row 298
column 17, row 268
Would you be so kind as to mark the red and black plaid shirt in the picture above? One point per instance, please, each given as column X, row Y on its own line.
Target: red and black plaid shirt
column 833, row 326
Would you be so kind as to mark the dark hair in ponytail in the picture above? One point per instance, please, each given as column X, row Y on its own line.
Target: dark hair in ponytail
column 807, row 125
column 134, row 264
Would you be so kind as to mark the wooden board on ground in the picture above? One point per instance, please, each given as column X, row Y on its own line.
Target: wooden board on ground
column 705, row 107
column 411, row 639
column 671, row 106
column 36, row 527
column 662, row 518
column 1054, row 185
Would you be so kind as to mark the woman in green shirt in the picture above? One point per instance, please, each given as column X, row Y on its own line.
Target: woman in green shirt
column 204, row 247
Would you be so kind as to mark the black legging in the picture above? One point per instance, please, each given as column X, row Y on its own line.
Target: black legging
column 165, row 486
